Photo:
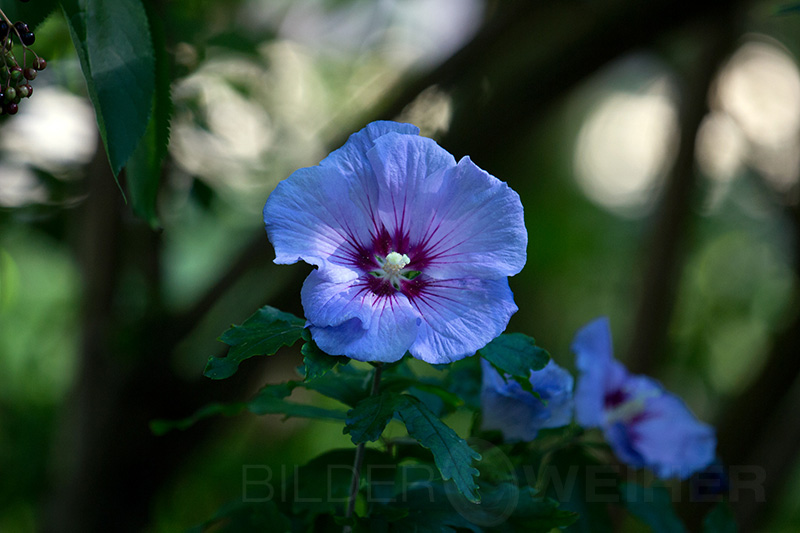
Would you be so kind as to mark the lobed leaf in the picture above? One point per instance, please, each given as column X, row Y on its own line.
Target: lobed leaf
column 653, row 506
column 720, row 520
column 367, row 420
column 516, row 354
column 451, row 453
column 269, row 400
column 263, row 333
column 317, row 363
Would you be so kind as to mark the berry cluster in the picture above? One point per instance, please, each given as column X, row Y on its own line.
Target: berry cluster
column 15, row 76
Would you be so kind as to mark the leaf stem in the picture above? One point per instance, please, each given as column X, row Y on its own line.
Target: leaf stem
column 360, row 451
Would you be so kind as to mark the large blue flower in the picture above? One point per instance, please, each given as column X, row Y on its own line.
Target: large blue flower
column 413, row 250
column 645, row 425
column 517, row 413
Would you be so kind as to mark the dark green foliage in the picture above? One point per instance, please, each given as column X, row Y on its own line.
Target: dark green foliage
column 367, row 420
column 115, row 47
column 517, row 355
column 263, row 333
column 653, row 505
column 573, row 476
column 239, row 516
column 269, row 400
column 317, row 363
column 720, row 520
column 451, row 453
column 143, row 169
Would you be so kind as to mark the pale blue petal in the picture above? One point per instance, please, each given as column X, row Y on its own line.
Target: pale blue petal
column 621, row 440
column 599, row 372
column 321, row 214
column 459, row 220
column 507, row 407
column 554, row 384
column 351, row 159
column 345, row 319
column 672, row 442
column 518, row 414
column 460, row 316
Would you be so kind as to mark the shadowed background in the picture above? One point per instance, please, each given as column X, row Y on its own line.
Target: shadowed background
column 655, row 150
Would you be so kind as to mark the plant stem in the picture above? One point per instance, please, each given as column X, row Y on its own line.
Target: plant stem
column 360, row 451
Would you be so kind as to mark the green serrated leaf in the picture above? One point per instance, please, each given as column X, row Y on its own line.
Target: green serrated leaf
column 720, row 520
column 115, row 47
column 263, row 333
column 451, row 453
column 323, row 484
column 367, row 420
column 566, row 479
column 269, row 400
column 160, row 427
column 516, row 354
column 428, row 509
column 316, row 362
column 398, row 383
column 652, row 505
column 122, row 67
column 143, row 170
column 348, row 385
column 540, row 515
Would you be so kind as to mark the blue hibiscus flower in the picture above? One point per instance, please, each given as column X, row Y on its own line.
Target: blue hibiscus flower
column 413, row 250
column 645, row 425
column 517, row 413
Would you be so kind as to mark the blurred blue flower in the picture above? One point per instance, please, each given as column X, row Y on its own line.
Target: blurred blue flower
column 645, row 425
column 413, row 250
column 517, row 413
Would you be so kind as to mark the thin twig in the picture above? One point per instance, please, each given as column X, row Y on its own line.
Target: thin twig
column 360, row 451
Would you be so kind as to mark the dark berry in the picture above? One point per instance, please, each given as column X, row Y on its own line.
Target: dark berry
column 28, row 38
column 12, row 108
column 21, row 27
column 29, row 73
column 3, row 29
column 40, row 63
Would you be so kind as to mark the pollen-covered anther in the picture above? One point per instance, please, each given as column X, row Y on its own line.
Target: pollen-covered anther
column 395, row 262
column 393, row 268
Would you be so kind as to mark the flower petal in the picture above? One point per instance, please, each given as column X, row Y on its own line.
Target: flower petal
column 312, row 216
column 509, row 408
column 352, row 159
column 459, row 220
column 325, row 215
column 460, row 316
column 598, row 371
column 672, row 442
column 346, row 319
column 554, row 384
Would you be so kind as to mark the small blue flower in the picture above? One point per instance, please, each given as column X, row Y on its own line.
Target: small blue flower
column 517, row 413
column 413, row 250
column 645, row 425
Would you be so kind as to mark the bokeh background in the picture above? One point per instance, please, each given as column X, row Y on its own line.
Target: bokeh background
column 654, row 145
